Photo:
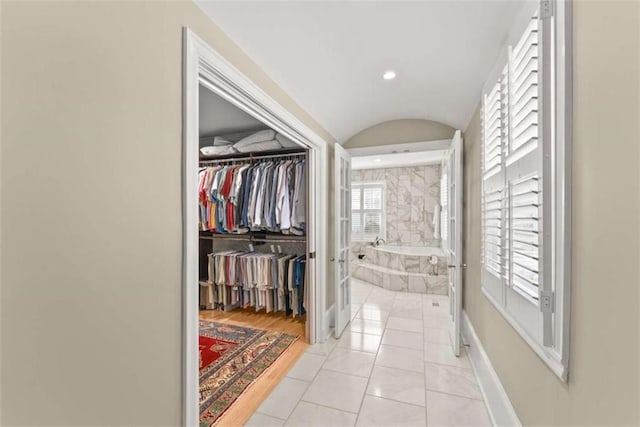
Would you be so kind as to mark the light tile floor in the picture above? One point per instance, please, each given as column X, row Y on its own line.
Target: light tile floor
column 393, row 366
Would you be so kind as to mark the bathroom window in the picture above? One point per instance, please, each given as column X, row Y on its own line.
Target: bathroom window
column 367, row 211
column 524, row 199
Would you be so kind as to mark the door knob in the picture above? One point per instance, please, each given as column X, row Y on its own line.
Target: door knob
column 464, row 265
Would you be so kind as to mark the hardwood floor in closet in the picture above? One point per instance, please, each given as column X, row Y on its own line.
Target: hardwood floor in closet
column 248, row 317
column 252, row 398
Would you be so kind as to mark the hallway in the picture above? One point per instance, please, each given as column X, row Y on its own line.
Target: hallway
column 393, row 365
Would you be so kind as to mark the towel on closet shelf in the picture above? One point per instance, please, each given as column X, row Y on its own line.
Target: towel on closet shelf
column 286, row 142
column 221, row 141
column 259, row 146
column 260, row 136
column 218, row 150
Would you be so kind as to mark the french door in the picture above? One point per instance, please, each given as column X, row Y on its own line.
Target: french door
column 342, row 228
column 454, row 251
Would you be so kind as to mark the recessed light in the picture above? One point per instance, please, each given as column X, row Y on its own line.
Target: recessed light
column 389, row 75
column 378, row 160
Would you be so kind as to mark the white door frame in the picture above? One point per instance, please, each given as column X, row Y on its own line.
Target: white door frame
column 204, row 65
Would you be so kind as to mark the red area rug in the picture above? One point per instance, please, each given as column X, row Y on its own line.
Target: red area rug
column 231, row 359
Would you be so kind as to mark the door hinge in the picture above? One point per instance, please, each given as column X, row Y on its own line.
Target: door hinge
column 547, row 301
column 546, row 9
column 312, row 255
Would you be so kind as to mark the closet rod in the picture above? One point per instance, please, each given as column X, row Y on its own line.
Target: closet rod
column 257, row 239
column 249, row 158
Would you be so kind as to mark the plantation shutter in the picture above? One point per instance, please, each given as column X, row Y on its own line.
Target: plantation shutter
column 524, row 183
column 523, row 169
column 511, row 173
column 367, row 210
column 356, row 217
column 493, row 190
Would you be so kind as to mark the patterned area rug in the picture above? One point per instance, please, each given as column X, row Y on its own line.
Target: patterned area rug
column 231, row 358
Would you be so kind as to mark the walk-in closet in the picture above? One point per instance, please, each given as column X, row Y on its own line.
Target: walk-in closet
column 253, row 276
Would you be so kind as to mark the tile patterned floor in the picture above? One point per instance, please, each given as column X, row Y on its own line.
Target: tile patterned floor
column 393, row 366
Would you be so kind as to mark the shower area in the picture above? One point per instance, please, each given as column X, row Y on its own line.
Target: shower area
column 399, row 222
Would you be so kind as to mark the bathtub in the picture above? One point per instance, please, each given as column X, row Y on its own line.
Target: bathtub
column 411, row 250
column 411, row 268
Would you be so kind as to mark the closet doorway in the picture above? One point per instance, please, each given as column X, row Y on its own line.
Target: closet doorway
column 254, row 268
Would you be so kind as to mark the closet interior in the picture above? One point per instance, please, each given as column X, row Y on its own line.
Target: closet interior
column 253, row 191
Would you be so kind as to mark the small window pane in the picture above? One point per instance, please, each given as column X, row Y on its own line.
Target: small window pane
column 367, row 210
column 372, row 198
column 355, row 199
column 356, row 225
column 372, row 221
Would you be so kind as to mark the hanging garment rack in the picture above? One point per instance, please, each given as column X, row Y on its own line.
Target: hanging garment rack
column 251, row 238
column 251, row 157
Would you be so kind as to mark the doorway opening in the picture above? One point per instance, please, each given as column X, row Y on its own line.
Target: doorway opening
column 253, row 262
column 405, row 207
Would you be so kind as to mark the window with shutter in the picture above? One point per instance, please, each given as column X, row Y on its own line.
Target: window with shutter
column 367, row 211
column 525, row 194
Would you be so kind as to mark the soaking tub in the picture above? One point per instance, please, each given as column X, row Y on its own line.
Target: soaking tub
column 410, row 268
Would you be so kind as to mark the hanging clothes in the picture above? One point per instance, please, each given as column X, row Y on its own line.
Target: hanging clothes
column 263, row 196
column 273, row 282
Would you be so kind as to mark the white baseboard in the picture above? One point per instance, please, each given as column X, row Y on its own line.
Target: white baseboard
column 328, row 323
column 498, row 404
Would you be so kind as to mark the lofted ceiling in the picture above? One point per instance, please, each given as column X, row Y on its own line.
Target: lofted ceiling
column 219, row 117
column 329, row 56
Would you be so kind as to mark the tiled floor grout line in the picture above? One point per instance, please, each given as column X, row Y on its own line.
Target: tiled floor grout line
column 454, row 395
column 326, row 406
column 366, row 387
column 397, row 401
column 309, row 384
column 383, row 323
column 326, row 358
column 450, row 366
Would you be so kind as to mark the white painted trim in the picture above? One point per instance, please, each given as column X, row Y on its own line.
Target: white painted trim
column 203, row 65
column 563, row 178
column 550, row 358
column 554, row 348
column 495, row 397
column 438, row 144
column 329, row 322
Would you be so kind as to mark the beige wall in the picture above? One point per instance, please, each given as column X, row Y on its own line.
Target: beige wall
column 91, row 219
column 603, row 373
column 400, row 131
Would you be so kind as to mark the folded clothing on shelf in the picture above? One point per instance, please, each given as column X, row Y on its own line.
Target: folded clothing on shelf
column 263, row 140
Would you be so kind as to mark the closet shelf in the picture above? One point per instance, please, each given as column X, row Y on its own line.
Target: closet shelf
column 252, row 156
column 255, row 237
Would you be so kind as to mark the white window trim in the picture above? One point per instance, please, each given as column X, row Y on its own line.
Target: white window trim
column 557, row 164
column 362, row 237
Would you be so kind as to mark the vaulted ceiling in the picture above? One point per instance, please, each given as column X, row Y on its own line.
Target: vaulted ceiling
column 330, row 56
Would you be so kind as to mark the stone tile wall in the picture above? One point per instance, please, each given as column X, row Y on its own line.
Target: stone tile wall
column 411, row 196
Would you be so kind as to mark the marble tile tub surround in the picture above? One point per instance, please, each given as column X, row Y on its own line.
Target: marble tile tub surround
column 392, row 366
column 400, row 272
column 411, row 195
column 401, row 281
